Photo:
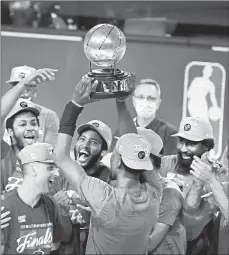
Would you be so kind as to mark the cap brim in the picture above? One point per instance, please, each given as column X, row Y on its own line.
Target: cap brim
column 151, row 152
column 189, row 137
column 137, row 165
column 35, row 111
column 10, row 81
column 50, row 161
column 83, row 127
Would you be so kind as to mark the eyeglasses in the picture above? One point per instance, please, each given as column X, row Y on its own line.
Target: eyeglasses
column 148, row 98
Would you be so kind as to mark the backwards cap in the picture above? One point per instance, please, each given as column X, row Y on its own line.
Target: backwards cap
column 135, row 151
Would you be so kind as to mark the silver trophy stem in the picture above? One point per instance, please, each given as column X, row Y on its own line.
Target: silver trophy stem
column 114, row 68
column 90, row 69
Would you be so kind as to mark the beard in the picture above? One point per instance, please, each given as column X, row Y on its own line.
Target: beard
column 185, row 163
column 91, row 163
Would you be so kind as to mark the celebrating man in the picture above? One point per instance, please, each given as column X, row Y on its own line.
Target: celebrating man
column 195, row 139
column 22, row 124
column 36, row 223
column 120, row 215
column 49, row 122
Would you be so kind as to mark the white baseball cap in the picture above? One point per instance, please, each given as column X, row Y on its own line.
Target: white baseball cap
column 37, row 152
column 135, row 151
column 195, row 129
column 20, row 72
column 99, row 127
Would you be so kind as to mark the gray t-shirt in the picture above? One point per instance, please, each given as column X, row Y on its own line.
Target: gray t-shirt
column 193, row 227
column 121, row 222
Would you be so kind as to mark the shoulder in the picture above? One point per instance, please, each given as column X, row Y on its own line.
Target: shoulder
column 5, row 149
column 10, row 200
column 168, row 164
column 170, row 186
column 169, row 128
column 104, row 173
column 171, row 196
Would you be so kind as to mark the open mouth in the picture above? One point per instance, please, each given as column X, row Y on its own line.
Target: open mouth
column 185, row 156
column 29, row 138
column 83, row 155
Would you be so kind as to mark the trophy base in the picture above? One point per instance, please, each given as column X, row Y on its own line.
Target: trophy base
column 111, row 84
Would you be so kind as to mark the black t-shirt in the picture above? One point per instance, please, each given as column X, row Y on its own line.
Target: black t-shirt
column 31, row 229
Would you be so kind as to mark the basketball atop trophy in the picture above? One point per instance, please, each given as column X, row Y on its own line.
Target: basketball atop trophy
column 105, row 46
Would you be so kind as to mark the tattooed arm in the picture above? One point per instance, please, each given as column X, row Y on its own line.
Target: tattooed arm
column 193, row 198
column 220, row 195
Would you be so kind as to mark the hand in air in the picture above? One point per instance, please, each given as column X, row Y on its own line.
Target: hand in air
column 39, row 76
column 83, row 90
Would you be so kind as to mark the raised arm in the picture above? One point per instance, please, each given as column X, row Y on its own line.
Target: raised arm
column 125, row 121
column 10, row 98
column 92, row 191
column 69, row 167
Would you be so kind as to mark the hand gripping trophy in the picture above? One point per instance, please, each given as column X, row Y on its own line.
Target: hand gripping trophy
column 104, row 46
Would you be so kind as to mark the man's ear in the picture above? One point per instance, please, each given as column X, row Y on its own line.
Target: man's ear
column 119, row 161
column 10, row 131
column 103, row 153
column 158, row 104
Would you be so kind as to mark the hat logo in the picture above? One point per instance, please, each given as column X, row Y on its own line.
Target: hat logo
column 141, row 154
column 23, row 104
column 140, row 148
column 96, row 124
column 21, row 75
column 187, row 127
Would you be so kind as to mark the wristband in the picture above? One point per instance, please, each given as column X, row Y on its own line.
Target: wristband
column 68, row 119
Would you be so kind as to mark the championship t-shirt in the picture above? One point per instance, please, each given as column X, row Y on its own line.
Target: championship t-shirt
column 31, row 230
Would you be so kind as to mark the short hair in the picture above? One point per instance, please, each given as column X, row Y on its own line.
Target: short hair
column 151, row 82
column 10, row 121
column 209, row 143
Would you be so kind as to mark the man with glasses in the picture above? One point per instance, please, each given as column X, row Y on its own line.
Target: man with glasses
column 146, row 101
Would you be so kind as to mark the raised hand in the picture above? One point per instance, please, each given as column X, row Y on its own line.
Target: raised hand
column 83, row 90
column 39, row 76
column 133, row 78
column 201, row 170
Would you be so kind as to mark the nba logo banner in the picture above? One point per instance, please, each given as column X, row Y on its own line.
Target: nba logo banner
column 204, row 94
